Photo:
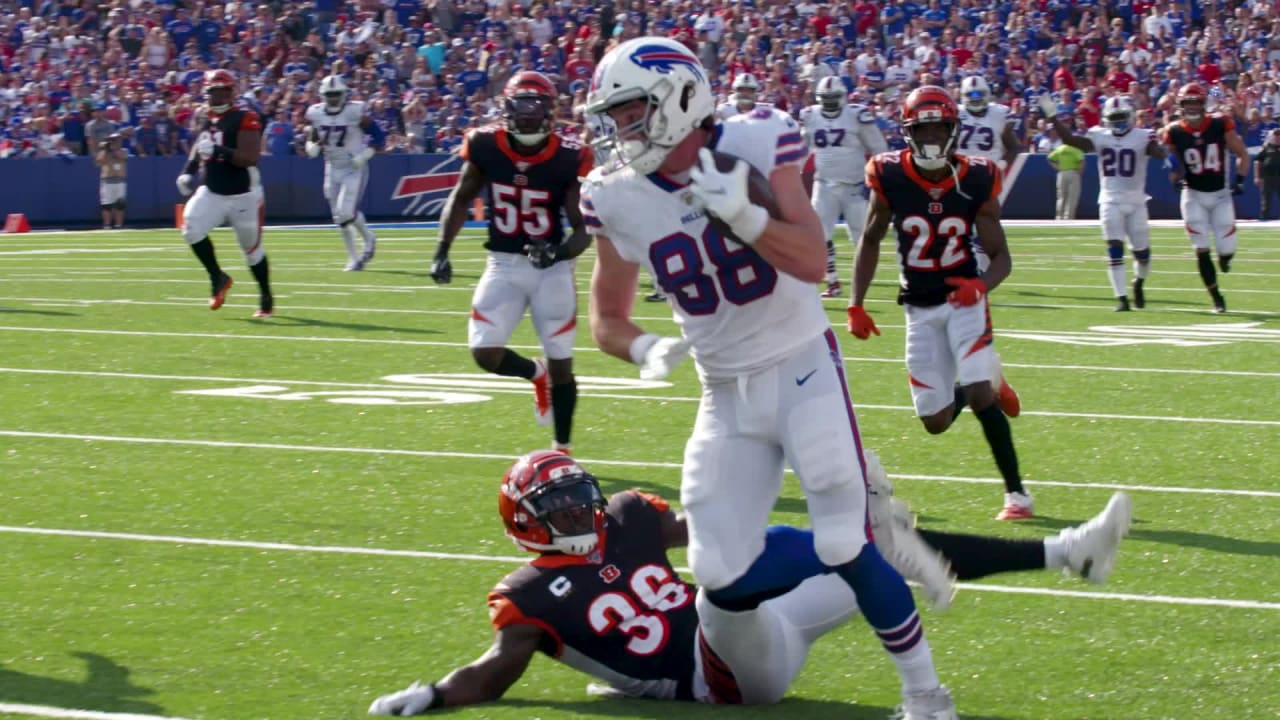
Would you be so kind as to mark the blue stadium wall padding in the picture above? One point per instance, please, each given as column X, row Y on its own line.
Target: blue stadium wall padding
column 57, row 192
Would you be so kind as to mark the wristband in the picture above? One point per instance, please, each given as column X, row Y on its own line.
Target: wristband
column 640, row 346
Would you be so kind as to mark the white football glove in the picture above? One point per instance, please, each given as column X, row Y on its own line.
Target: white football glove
column 1048, row 106
column 410, row 701
column 361, row 158
column 184, row 184
column 658, row 356
column 725, row 196
column 313, row 149
column 204, row 147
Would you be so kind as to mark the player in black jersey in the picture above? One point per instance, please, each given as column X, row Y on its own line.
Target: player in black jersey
column 938, row 201
column 228, row 147
column 1200, row 142
column 602, row 597
column 532, row 175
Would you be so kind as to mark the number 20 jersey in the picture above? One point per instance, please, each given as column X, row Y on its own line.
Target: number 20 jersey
column 623, row 616
column 934, row 222
column 1122, row 164
column 739, row 313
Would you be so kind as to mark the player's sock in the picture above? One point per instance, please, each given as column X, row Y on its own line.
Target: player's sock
column 886, row 603
column 977, row 556
column 996, row 427
column 262, row 273
column 788, row 559
column 831, row 261
column 564, row 396
column 204, row 251
column 1055, row 553
column 1207, row 272
column 348, row 231
column 1115, row 267
column 513, row 365
column 959, row 403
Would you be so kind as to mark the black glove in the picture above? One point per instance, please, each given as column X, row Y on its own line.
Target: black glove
column 1237, row 187
column 541, row 253
column 441, row 268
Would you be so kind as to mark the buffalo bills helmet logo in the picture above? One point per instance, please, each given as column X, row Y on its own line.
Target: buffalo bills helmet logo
column 664, row 59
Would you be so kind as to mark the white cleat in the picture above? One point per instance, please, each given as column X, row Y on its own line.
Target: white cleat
column 893, row 525
column 933, row 704
column 1091, row 548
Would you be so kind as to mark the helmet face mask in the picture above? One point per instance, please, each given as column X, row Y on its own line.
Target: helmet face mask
column 219, row 90
column 1117, row 115
column 334, row 91
column 550, row 504
column 528, row 106
column 745, row 91
column 1192, row 102
column 931, row 126
column 976, row 94
column 831, row 95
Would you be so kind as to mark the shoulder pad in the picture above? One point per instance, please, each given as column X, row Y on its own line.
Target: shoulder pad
column 865, row 116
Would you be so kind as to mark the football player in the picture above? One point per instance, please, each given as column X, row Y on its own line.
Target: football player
column 530, row 175
column 841, row 136
column 1122, row 200
column 337, row 128
column 602, row 597
column 774, row 388
column 228, row 147
column 1200, row 142
column 745, row 91
column 985, row 128
column 937, row 199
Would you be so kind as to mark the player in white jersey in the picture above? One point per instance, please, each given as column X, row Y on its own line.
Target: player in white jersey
column 841, row 137
column 337, row 128
column 985, row 129
column 745, row 91
column 774, row 388
column 1122, row 197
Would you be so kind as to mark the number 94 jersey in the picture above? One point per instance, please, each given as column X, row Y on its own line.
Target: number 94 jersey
column 1201, row 150
column 934, row 221
column 1122, row 164
column 621, row 615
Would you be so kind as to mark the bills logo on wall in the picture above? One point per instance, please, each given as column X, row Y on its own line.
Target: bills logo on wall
column 427, row 192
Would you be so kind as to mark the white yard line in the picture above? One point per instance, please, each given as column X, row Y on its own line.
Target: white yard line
column 73, row 714
column 510, row 560
column 588, row 461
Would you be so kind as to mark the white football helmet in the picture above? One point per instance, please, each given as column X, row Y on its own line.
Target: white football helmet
column 976, row 94
column 831, row 94
column 1117, row 114
column 675, row 84
column 334, row 91
column 745, row 89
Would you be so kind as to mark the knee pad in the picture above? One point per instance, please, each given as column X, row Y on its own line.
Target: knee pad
column 1115, row 251
column 1142, row 256
column 343, row 220
column 190, row 236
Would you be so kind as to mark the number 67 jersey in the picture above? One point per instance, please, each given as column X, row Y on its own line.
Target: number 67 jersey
column 737, row 311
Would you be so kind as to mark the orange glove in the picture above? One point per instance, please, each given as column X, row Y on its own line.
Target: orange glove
column 860, row 323
column 968, row 291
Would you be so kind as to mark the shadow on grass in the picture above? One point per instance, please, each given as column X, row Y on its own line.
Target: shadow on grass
column 105, row 688
column 791, row 709
column 1182, row 538
column 297, row 321
column 34, row 311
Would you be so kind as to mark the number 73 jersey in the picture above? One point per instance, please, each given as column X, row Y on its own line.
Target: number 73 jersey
column 1122, row 164
column 934, row 221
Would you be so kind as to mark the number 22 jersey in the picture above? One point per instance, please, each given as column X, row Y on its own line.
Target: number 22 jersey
column 738, row 312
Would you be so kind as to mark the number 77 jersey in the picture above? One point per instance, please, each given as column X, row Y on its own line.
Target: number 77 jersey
column 934, row 221
column 1122, row 164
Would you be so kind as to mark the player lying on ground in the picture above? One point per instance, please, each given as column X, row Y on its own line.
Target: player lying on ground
column 603, row 598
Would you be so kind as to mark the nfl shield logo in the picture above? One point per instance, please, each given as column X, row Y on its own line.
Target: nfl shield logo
column 935, row 193
column 522, row 165
column 520, row 180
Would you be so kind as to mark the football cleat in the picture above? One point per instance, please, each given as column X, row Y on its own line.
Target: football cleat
column 915, row 559
column 370, row 248
column 262, row 314
column 1219, row 303
column 1122, row 304
column 1139, row 299
column 566, row 448
column 833, row 290
column 933, row 704
column 354, row 266
column 1017, row 506
column 1006, row 396
column 1091, row 548
column 655, row 296
column 220, row 292
column 541, row 393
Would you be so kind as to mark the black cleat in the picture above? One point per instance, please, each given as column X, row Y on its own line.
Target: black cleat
column 1139, row 299
column 1219, row 303
column 1122, row 304
column 655, row 296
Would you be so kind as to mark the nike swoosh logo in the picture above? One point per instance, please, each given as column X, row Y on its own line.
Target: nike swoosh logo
column 805, row 379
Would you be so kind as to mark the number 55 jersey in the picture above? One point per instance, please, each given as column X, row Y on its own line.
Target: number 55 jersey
column 737, row 311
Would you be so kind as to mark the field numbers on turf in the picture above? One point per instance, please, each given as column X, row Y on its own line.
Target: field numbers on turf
column 1173, row 335
column 419, row 389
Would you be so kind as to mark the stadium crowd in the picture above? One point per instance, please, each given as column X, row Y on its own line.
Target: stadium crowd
column 73, row 72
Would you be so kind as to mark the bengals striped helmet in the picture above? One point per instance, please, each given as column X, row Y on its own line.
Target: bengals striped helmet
column 528, row 106
column 925, row 107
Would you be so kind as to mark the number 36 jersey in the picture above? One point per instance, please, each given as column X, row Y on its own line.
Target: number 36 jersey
column 621, row 615
column 738, row 312
column 1122, row 164
column 934, row 221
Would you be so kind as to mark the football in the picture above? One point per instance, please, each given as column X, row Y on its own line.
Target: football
column 758, row 191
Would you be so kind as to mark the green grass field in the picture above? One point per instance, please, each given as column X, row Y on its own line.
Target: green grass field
column 212, row 517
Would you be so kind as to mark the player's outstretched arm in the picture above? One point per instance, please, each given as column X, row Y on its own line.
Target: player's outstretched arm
column 613, row 295
column 1049, row 109
column 486, row 679
column 1236, row 145
column 988, row 227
